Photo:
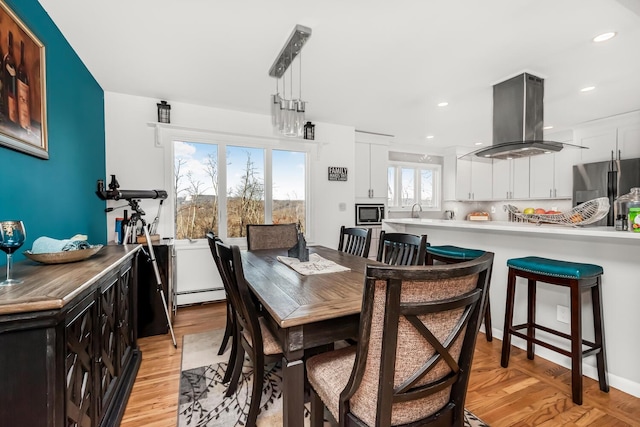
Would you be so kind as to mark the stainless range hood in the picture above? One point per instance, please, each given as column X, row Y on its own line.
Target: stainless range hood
column 518, row 120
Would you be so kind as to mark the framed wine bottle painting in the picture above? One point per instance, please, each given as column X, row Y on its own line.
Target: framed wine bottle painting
column 22, row 87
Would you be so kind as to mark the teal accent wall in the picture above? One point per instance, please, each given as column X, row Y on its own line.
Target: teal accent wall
column 56, row 197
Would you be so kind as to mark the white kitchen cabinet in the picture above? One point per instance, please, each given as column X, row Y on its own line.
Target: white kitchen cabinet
column 371, row 170
column 628, row 141
column 563, row 162
column 551, row 175
column 617, row 135
column 541, row 176
column 600, row 143
column 473, row 180
column 510, row 179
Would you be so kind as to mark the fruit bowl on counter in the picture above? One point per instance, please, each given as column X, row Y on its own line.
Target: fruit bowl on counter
column 586, row 213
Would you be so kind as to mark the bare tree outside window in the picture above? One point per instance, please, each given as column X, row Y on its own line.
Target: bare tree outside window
column 211, row 165
column 245, row 201
column 195, row 173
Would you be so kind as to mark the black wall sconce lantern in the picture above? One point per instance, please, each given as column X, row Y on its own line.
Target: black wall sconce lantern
column 309, row 130
column 164, row 112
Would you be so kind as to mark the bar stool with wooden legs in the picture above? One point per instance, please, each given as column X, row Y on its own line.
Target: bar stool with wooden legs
column 454, row 254
column 577, row 277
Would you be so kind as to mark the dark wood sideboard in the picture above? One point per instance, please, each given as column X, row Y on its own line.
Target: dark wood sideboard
column 68, row 341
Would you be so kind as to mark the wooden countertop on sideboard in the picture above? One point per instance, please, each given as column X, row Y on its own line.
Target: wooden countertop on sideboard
column 51, row 287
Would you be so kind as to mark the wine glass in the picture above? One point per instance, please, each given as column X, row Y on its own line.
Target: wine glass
column 12, row 235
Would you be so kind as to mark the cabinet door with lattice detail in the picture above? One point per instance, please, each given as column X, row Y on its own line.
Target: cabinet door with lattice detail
column 79, row 364
column 125, row 332
column 108, row 360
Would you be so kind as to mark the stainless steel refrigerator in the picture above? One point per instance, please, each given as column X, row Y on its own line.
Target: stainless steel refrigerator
column 610, row 179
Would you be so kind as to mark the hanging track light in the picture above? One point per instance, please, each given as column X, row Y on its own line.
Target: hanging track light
column 290, row 50
column 288, row 115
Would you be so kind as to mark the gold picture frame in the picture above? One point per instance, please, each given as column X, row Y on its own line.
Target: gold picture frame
column 23, row 94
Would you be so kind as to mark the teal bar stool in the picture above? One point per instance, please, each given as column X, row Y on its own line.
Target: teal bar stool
column 577, row 277
column 454, row 254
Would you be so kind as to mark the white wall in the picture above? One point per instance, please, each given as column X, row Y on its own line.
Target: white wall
column 133, row 155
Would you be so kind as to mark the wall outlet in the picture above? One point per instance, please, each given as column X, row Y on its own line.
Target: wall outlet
column 493, row 209
column 563, row 314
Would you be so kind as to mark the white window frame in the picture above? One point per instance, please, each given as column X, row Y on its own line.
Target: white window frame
column 417, row 167
column 167, row 135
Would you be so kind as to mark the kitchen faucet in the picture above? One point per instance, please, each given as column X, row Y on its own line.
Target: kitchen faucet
column 413, row 213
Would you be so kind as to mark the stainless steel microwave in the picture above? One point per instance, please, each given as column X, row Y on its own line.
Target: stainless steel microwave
column 369, row 213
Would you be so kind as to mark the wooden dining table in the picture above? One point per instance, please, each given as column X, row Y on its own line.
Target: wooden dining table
column 305, row 312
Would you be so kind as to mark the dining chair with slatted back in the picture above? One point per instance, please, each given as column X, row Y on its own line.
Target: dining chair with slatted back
column 355, row 241
column 271, row 236
column 253, row 337
column 402, row 248
column 230, row 328
column 411, row 366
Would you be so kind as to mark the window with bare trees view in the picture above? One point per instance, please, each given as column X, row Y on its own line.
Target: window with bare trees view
column 236, row 186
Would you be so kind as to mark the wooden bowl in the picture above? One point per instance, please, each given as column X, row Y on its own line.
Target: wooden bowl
column 64, row 256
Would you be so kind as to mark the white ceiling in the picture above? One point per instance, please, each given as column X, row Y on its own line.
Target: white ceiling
column 380, row 66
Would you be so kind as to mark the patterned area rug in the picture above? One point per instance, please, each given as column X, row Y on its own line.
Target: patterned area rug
column 202, row 402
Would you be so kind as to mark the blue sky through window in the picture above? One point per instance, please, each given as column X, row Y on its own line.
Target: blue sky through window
column 288, row 170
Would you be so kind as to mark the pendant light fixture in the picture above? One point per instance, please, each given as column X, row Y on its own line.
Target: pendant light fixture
column 288, row 114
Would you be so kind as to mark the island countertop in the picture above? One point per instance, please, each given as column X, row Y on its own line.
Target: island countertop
column 518, row 227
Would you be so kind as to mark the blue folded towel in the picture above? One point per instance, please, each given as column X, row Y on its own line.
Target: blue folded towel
column 47, row 245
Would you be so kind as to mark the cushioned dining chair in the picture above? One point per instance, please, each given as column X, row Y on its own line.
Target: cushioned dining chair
column 402, row 249
column 271, row 236
column 411, row 366
column 253, row 337
column 229, row 330
column 355, row 241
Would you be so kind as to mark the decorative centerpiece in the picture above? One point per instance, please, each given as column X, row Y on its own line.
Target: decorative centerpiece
column 299, row 250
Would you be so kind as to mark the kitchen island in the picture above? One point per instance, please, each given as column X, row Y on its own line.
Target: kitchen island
column 618, row 252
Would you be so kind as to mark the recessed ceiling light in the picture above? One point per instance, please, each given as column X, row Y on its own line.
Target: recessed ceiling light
column 429, row 136
column 478, row 143
column 547, row 127
column 604, row 37
column 587, row 89
column 443, row 104
column 547, row 152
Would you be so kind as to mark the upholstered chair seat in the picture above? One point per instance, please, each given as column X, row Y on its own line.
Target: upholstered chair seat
column 269, row 344
column 329, row 374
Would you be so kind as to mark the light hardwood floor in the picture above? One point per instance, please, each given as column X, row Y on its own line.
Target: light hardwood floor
column 528, row 393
